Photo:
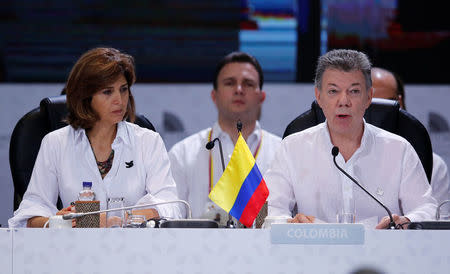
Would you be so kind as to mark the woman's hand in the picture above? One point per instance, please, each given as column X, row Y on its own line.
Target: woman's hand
column 39, row 221
column 67, row 210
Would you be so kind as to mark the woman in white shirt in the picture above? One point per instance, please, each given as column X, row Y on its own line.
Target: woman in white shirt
column 98, row 146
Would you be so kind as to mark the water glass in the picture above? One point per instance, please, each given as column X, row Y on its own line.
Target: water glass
column 269, row 220
column 136, row 221
column 346, row 218
column 347, row 213
column 115, row 218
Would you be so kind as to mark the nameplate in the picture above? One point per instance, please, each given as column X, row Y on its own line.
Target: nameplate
column 317, row 234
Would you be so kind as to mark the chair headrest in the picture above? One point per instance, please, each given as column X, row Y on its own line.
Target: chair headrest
column 56, row 110
column 383, row 113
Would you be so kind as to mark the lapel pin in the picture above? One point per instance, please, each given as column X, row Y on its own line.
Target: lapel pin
column 129, row 164
column 380, row 192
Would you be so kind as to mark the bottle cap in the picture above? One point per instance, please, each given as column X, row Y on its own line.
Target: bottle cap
column 87, row 184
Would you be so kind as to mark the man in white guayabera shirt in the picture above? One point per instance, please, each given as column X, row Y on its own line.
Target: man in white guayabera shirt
column 303, row 170
column 238, row 95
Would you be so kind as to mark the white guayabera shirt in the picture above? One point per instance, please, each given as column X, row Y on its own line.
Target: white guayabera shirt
column 190, row 162
column 440, row 180
column 385, row 164
column 66, row 160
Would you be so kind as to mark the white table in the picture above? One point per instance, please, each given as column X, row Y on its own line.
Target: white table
column 6, row 250
column 215, row 251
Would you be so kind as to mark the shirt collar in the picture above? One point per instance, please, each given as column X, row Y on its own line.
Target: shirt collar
column 365, row 140
column 366, row 136
column 327, row 136
column 121, row 135
column 80, row 134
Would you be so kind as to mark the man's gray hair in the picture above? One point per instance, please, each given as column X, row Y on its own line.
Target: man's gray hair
column 344, row 60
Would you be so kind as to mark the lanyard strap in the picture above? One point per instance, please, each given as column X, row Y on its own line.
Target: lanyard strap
column 211, row 164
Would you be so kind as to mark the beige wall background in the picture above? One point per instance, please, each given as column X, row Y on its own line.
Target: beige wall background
column 190, row 105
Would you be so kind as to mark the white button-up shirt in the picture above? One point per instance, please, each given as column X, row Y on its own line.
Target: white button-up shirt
column 65, row 160
column 440, row 180
column 385, row 164
column 190, row 162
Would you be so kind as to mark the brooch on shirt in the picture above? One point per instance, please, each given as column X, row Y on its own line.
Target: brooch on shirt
column 129, row 164
column 380, row 191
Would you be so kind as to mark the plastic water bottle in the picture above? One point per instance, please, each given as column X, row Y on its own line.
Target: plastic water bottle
column 87, row 194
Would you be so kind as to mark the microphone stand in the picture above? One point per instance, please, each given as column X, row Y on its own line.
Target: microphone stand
column 81, row 214
column 335, row 152
column 209, row 146
column 438, row 209
column 230, row 222
column 435, row 225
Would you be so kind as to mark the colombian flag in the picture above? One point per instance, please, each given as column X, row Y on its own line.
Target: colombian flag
column 241, row 191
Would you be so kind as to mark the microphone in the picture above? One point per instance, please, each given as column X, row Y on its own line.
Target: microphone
column 435, row 225
column 438, row 224
column 81, row 214
column 335, row 152
column 239, row 126
column 438, row 209
column 179, row 223
column 210, row 146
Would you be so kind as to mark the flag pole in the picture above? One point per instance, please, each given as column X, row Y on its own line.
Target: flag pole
column 230, row 222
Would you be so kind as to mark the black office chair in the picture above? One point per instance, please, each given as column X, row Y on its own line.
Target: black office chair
column 27, row 136
column 382, row 113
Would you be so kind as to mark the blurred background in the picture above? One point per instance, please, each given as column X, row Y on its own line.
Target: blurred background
column 181, row 40
column 177, row 43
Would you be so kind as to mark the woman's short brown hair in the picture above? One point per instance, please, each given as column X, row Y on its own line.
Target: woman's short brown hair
column 96, row 69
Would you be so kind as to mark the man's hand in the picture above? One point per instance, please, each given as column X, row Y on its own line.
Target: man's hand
column 402, row 221
column 301, row 218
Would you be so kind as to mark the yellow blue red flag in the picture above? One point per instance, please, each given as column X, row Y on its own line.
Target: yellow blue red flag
column 241, row 191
